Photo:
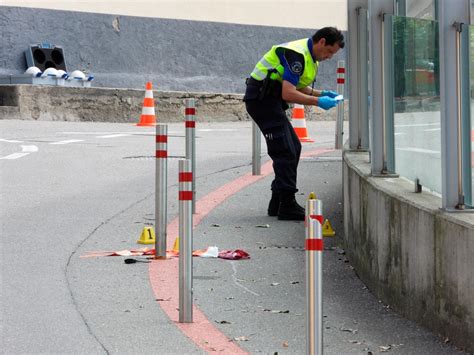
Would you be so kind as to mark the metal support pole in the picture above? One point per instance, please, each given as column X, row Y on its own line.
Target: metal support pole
column 357, row 74
column 458, row 26
column 161, row 182
column 186, row 242
column 378, row 152
column 314, row 275
column 256, row 149
column 384, row 101
column 386, row 121
column 190, row 113
column 451, row 12
column 363, row 77
column 341, row 73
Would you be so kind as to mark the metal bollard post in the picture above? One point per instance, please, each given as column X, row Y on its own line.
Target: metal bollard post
column 256, row 149
column 190, row 113
column 185, row 242
column 161, row 182
column 341, row 72
column 314, row 274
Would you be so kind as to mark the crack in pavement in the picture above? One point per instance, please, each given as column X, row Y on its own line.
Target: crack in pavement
column 66, row 269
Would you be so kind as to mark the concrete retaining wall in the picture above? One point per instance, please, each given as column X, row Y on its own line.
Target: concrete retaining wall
column 54, row 103
column 410, row 254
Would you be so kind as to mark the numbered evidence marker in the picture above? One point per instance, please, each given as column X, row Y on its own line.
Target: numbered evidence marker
column 147, row 236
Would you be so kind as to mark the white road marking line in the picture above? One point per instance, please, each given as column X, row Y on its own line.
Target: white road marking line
column 106, row 133
column 67, row 141
column 419, row 150
column 10, row 140
column 14, row 156
column 432, row 129
column 115, row 135
column 399, row 134
column 417, row 125
column 216, row 129
column 26, row 150
column 143, row 133
column 29, row 148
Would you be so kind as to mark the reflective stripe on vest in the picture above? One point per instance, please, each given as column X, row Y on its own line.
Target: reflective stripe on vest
column 271, row 61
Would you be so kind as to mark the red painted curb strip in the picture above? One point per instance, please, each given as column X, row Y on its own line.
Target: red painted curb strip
column 164, row 274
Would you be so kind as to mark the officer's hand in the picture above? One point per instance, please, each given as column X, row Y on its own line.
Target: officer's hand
column 331, row 94
column 326, row 102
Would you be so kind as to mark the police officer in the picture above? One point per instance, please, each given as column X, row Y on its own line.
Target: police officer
column 286, row 73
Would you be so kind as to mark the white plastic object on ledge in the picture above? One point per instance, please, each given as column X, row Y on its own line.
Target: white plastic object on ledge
column 62, row 74
column 77, row 74
column 34, row 71
column 52, row 72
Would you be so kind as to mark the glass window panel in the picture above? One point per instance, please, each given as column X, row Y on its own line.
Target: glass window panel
column 425, row 9
column 417, row 128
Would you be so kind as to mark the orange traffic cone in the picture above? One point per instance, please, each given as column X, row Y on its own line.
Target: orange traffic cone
column 299, row 123
column 148, row 117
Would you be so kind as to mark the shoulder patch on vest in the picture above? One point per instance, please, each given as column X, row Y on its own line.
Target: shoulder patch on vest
column 295, row 61
column 296, row 67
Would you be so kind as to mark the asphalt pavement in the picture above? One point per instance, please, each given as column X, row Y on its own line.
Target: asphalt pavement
column 84, row 193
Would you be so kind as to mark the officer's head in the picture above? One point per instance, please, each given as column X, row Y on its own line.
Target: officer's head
column 326, row 42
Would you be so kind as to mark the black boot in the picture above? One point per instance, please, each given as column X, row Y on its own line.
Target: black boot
column 274, row 204
column 289, row 209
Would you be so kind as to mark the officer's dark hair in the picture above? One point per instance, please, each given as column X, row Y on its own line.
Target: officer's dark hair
column 331, row 35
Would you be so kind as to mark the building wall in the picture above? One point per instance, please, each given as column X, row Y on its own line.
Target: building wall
column 275, row 13
column 126, row 51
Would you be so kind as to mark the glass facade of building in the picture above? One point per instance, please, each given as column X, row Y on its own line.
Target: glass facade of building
column 421, row 127
column 416, row 102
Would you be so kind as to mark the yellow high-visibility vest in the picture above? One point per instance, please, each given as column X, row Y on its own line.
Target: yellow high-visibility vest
column 270, row 60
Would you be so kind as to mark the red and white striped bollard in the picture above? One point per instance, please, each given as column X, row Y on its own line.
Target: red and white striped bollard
column 185, row 242
column 314, row 274
column 161, row 182
column 190, row 124
column 341, row 74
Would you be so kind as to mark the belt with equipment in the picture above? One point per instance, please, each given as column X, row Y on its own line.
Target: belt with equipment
column 267, row 87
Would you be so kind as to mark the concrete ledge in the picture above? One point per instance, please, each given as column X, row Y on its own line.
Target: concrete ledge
column 413, row 256
column 55, row 103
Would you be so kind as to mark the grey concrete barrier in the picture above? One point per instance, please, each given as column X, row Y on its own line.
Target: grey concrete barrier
column 413, row 256
column 52, row 103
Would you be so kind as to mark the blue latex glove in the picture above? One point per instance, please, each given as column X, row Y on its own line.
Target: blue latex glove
column 326, row 102
column 331, row 94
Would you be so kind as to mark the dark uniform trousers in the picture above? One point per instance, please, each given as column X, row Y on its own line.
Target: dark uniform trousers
column 283, row 145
